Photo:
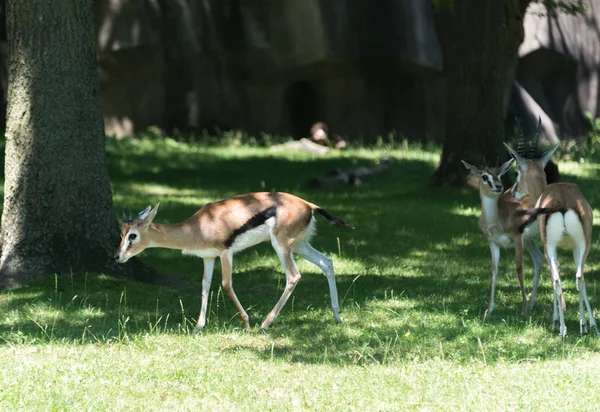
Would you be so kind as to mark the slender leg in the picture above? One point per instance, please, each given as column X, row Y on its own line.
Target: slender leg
column 558, row 315
column 209, row 265
column 537, row 258
column 495, row 250
column 309, row 253
column 292, row 277
column 226, row 265
column 519, row 266
column 579, row 256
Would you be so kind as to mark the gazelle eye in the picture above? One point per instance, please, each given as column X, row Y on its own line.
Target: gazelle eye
column 485, row 178
column 132, row 237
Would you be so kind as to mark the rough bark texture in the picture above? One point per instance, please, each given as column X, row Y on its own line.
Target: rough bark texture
column 58, row 214
column 480, row 46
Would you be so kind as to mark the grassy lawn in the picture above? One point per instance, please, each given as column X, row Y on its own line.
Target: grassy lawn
column 413, row 279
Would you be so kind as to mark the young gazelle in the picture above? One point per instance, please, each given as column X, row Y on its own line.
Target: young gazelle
column 565, row 220
column 220, row 229
column 500, row 222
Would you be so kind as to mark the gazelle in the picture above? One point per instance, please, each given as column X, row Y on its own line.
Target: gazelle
column 220, row 229
column 501, row 224
column 565, row 220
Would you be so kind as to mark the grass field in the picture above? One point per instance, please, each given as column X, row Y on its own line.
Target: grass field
column 413, row 279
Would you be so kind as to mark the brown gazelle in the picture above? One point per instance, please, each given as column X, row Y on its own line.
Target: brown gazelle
column 220, row 229
column 501, row 223
column 565, row 220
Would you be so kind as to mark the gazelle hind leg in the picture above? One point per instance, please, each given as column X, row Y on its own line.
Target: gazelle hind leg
column 209, row 265
column 292, row 277
column 324, row 263
column 579, row 256
column 537, row 257
column 558, row 316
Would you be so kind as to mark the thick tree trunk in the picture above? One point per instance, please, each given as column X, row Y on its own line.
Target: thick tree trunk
column 58, row 214
column 480, row 55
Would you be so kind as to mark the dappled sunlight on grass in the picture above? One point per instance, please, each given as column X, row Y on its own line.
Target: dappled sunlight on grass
column 413, row 283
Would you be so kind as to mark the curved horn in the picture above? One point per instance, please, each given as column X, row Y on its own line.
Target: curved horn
column 124, row 216
column 533, row 145
column 521, row 139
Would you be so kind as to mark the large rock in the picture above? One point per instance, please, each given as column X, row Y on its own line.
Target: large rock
column 558, row 70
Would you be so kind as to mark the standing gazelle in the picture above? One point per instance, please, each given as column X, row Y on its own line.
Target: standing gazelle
column 501, row 222
column 565, row 220
column 220, row 229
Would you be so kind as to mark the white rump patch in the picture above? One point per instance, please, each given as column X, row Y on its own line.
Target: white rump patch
column 564, row 231
column 574, row 228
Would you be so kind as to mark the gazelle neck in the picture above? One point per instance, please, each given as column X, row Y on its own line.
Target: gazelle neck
column 537, row 190
column 171, row 236
column 489, row 209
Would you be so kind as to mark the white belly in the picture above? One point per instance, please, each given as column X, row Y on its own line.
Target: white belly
column 203, row 253
column 253, row 236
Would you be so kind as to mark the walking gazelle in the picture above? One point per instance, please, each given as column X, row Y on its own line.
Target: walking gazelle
column 565, row 220
column 501, row 221
column 220, row 229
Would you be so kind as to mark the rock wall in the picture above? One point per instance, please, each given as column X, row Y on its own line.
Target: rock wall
column 559, row 70
column 277, row 66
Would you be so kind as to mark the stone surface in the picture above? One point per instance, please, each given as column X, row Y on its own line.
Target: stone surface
column 558, row 70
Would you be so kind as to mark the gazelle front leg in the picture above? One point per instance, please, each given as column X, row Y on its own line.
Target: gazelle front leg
column 537, row 258
column 519, row 266
column 226, row 269
column 209, row 265
column 495, row 251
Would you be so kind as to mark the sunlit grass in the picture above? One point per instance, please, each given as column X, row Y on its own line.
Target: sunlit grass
column 413, row 282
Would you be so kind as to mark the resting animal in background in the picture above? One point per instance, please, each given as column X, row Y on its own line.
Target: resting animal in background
column 502, row 225
column 220, row 229
column 565, row 220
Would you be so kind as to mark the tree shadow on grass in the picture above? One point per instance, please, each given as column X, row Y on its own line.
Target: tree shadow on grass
column 414, row 281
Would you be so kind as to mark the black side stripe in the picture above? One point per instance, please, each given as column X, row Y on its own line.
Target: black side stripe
column 252, row 223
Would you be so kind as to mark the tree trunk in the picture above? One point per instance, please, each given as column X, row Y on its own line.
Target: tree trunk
column 479, row 49
column 58, row 213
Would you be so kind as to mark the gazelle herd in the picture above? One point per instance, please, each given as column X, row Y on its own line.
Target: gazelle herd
column 558, row 213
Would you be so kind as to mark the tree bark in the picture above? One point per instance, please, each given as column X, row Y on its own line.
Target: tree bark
column 58, row 214
column 480, row 53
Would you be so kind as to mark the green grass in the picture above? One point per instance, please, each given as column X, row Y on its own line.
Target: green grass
column 413, row 279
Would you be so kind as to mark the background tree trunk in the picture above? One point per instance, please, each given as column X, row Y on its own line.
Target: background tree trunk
column 480, row 52
column 58, row 213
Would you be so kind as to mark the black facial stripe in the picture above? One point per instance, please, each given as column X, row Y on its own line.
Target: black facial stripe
column 254, row 222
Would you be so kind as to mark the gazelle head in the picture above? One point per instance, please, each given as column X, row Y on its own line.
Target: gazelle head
column 133, row 240
column 531, row 177
column 490, row 178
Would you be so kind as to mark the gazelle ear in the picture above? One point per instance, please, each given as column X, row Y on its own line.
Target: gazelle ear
column 147, row 215
column 548, row 155
column 471, row 168
column 520, row 160
column 506, row 166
